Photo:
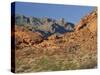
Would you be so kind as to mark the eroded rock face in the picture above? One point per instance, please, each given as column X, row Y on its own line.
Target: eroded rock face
column 24, row 37
column 89, row 22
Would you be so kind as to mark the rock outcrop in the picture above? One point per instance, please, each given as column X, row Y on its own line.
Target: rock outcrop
column 89, row 22
column 24, row 37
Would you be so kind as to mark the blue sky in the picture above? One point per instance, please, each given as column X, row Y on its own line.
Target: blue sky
column 70, row 13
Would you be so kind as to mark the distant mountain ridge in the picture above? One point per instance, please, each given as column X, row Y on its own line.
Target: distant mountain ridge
column 45, row 26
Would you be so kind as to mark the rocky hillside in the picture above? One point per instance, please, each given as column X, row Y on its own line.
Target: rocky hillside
column 68, row 51
column 88, row 22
